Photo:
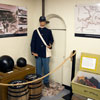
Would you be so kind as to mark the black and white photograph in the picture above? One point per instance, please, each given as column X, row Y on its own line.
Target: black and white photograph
column 13, row 21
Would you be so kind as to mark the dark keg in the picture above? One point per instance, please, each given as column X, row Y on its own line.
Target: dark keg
column 35, row 89
column 20, row 92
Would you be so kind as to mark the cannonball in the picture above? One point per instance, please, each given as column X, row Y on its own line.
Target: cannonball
column 6, row 63
column 21, row 62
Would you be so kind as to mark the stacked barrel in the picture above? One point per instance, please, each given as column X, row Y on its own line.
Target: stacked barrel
column 18, row 92
column 31, row 91
column 35, row 89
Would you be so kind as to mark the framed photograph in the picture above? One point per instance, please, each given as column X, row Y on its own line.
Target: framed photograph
column 87, row 21
column 13, row 21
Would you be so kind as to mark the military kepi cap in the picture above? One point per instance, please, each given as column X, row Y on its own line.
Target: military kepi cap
column 42, row 19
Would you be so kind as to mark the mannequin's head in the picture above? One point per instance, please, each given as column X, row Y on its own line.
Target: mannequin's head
column 42, row 21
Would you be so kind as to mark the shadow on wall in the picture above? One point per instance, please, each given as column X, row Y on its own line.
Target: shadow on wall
column 51, row 16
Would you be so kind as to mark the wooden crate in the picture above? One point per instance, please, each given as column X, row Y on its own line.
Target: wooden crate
column 78, row 97
column 89, row 72
column 17, row 74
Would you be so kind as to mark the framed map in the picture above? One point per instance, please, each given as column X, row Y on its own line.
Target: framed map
column 87, row 21
column 13, row 21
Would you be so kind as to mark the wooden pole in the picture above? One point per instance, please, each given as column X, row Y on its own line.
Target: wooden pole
column 73, row 70
column 73, row 65
column 69, row 96
column 43, row 7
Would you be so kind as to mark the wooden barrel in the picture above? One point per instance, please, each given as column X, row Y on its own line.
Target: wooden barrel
column 35, row 89
column 18, row 92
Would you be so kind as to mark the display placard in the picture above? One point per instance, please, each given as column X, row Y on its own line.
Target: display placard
column 90, row 62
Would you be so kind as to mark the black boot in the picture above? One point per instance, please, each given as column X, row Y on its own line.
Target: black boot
column 47, row 85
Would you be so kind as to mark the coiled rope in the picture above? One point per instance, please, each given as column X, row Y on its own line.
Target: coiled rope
column 29, row 82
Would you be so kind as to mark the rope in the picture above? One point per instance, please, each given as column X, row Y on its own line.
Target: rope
column 29, row 82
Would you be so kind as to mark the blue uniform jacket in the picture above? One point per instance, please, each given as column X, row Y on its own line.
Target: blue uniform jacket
column 37, row 45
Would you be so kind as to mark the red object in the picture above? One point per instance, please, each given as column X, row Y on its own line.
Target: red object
column 88, row 83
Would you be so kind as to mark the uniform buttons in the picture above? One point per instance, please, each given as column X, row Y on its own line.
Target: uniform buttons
column 41, row 45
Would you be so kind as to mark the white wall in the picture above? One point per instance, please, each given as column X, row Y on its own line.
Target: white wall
column 65, row 9
column 20, row 46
